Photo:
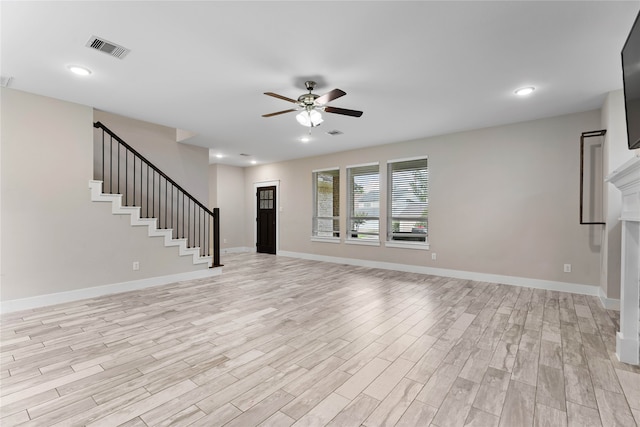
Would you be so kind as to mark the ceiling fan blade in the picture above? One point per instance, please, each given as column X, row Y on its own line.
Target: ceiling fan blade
column 279, row 112
column 343, row 111
column 275, row 95
column 330, row 96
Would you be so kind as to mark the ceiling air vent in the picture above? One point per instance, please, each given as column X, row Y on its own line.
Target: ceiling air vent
column 107, row 47
column 335, row 132
column 245, row 155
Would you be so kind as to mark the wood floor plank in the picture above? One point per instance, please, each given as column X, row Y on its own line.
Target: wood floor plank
column 356, row 412
column 15, row 418
column 478, row 418
column 390, row 410
column 492, row 392
column 135, row 410
column 457, row 403
column 262, row 410
column 518, row 407
column 547, row 416
column 630, row 382
column 603, row 375
column 417, row 414
column 614, row 409
column 278, row 419
column 315, row 394
column 235, row 389
column 578, row 386
column 361, row 379
column 49, row 385
column 424, row 368
column 323, row 412
column 105, row 409
column 388, row 379
column 261, row 391
column 581, row 416
column 185, row 400
column 550, row 389
column 219, row 417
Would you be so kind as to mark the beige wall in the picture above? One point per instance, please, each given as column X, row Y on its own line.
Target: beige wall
column 187, row 165
column 229, row 189
column 503, row 200
column 54, row 239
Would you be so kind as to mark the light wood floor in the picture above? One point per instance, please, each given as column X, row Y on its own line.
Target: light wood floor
column 277, row 341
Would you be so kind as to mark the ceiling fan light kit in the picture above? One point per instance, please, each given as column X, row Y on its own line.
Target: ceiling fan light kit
column 310, row 105
column 309, row 118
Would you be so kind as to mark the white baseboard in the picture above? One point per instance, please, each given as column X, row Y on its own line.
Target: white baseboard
column 608, row 303
column 240, row 249
column 627, row 349
column 573, row 288
column 97, row 291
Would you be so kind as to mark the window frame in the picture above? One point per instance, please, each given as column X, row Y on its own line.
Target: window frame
column 350, row 214
column 315, row 217
column 390, row 242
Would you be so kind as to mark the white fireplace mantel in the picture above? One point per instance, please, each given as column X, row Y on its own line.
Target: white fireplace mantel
column 627, row 179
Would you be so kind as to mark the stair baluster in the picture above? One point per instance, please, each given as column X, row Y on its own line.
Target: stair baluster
column 196, row 223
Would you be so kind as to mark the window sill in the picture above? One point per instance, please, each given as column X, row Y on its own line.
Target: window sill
column 407, row 245
column 362, row 242
column 325, row 239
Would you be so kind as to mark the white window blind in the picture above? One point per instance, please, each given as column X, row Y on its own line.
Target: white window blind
column 326, row 203
column 408, row 195
column 363, row 220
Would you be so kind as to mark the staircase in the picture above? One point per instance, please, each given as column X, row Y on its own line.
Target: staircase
column 136, row 187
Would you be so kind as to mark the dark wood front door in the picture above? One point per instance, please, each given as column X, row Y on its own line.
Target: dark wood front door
column 266, row 220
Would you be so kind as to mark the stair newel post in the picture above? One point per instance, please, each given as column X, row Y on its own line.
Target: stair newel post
column 216, row 237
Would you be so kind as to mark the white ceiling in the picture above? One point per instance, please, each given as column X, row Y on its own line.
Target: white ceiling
column 415, row 68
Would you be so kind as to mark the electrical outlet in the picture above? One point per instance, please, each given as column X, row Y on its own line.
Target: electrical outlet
column 434, row 256
column 224, row 240
column 136, row 265
column 567, row 268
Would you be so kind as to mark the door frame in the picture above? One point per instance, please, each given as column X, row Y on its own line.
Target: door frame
column 257, row 185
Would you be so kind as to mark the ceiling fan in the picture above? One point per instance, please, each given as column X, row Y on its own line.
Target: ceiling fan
column 310, row 105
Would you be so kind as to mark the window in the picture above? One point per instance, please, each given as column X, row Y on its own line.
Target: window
column 408, row 206
column 326, row 203
column 363, row 222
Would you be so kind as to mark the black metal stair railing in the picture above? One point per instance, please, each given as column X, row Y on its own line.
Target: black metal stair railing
column 125, row 171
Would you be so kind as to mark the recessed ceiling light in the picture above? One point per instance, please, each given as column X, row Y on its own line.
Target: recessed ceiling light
column 305, row 139
column 77, row 69
column 253, row 162
column 524, row 91
column 219, row 156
